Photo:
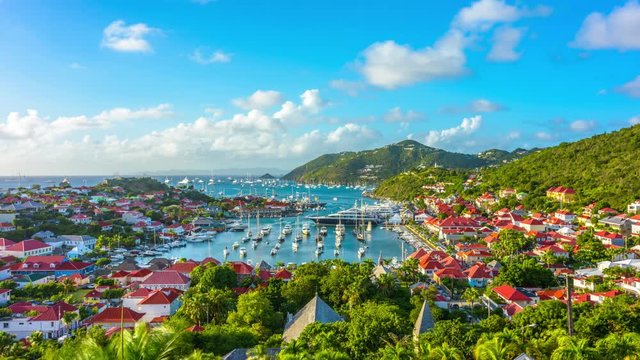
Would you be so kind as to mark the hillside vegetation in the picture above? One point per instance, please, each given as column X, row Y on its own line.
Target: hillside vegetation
column 603, row 168
column 407, row 185
column 373, row 166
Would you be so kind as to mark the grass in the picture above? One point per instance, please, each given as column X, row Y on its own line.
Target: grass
column 78, row 295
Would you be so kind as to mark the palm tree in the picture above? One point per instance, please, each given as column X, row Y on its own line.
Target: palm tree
column 446, row 352
column 331, row 355
column 423, row 350
column 259, row 352
column 495, row 349
column 616, row 346
column 471, row 295
column 572, row 348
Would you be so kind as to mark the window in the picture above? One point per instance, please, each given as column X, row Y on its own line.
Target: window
column 5, row 325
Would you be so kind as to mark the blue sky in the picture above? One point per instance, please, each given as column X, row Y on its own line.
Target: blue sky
column 107, row 87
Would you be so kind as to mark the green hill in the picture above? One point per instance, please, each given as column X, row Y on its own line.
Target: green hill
column 603, row 168
column 373, row 166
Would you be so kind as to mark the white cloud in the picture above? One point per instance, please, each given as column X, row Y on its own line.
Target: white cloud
column 125, row 114
column 583, row 125
column 618, row 30
column 397, row 115
column 120, row 37
column 632, row 88
column 261, row 100
column 310, row 103
column 390, row 65
column 634, row 120
column 353, row 134
column 203, row 56
column 352, row 88
column 443, row 138
column 505, row 40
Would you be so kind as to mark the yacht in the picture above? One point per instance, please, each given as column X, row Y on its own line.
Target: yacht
column 338, row 241
column 281, row 237
column 254, row 244
column 245, row 239
column 340, row 229
column 273, row 252
column 336, row 252
column 266, row 230
column 225, row 252
column 361, row 252
column 184, row 183
column 324, row 231
column 235, row 245
column 286, row 229
column 294, row 246
column 375, row 214
column 243, row 252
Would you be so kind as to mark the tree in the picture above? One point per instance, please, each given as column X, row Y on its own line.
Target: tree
column 255, row 311
column 574, row 348
column 511, row 243
column 471, row 295
column 212, row 306
column 69, row 317
column 525, row 272
column 217, row 277
column 495, row 349
column 371, row 325
column 616, row 346
column 445, row 352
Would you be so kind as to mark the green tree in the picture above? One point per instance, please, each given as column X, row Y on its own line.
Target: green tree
column 574, row 348
column 372, row 325
column 255, row 311
column 204, row 307
column 620, row 346
column 495, row 349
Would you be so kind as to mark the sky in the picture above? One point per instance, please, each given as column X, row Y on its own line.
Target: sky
column 123, row 87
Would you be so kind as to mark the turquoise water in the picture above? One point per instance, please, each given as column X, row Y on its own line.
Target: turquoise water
column 380, row 241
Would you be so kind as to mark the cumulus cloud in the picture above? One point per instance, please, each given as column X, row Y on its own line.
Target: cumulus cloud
column 261, row 99
column 77, row 66
column 310, row 103
column 583, row 125
column 118, row 36
column 390, row 65
column 203, row 56
column 397, row 115
column 457, row 134
column 634, row 120
column 617, row 30
column 505, row 41
column 632, row 88
column 543, row 135
column 33, row 143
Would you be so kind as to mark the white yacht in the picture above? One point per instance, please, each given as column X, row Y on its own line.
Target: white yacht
column 306, row 229
column 243, row 252
column 286, row 229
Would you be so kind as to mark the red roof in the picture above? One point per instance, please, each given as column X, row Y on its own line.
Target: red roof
column 6, row 242
column 510, row 294
column 450, row 273
column 139, row 293
column 478, row 271
column 27, row 245
column 140, row 273
column 160, row 297
column 264, row 275
column 73, row 265
column 166, row 278
column 242, row 268
column 22, row 307
column 117, row 315
column 208, row 260
column 283, row 274
column 195, row 328
column 55, row 312
column 47, row 259
column 183, row 267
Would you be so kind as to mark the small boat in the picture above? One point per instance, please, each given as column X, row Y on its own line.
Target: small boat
column 286, row 229
column 225, row 252
column 298, row 237
column 318, row 252
column 306, row 230
column 338, row 241
column 294, row 246
column 361, row 252
column 149, row 253
column 324, row 231
column 274, row 251
column 254, row 244
column 277, row 246
column 243, row 252
column 336, row 252
column 319, row 238
column 266, row 230
column 245, row 239
column 340, row 229
column 258, row 237
column 281, row 238
column 235, row 245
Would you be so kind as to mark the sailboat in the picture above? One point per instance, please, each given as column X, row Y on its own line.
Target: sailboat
column 281, row 235
column 249, row 233
column 298, row 236
column 259, row 234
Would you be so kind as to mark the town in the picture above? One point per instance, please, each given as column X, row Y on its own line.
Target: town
column 60, row 275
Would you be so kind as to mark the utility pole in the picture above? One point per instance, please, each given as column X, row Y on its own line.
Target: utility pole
column 569, row 304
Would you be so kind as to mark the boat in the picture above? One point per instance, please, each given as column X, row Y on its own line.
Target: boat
column 235, row 245
column 281, row 238
column 286, row 229
column 149, row 253
column 254, row 244
column 318, row 252
column 294, row 246
column 375, row 214
column 336, row 252
column 340, row 229
column 324, row 231
column 243, row 252
column 369, row 226
column 236, row 226
column 225, row 252
column 361, row 252
column 338, row 241
column 184, row 183
column 273, row 252
column 167, row 181
column 245, row 239
column 298, row 236
column 306, row 229
column 266, row 230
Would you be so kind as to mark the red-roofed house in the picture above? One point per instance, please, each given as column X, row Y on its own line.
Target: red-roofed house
column 166, row 279
column 473, row 256
column 478, row 275
column 163, row 302
column 562, row 194
column 284, row 275
column 184, row 268
column 140, row 275
column 5, row 296
column 48, row 320
column 80, row 219
column 115, row 317
column 242, row 269
column 448, row 273
column 512, row 295
column 608, row 238
column 533, row 225
column 6, row 227
column 26, row 248
column 4, row 243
